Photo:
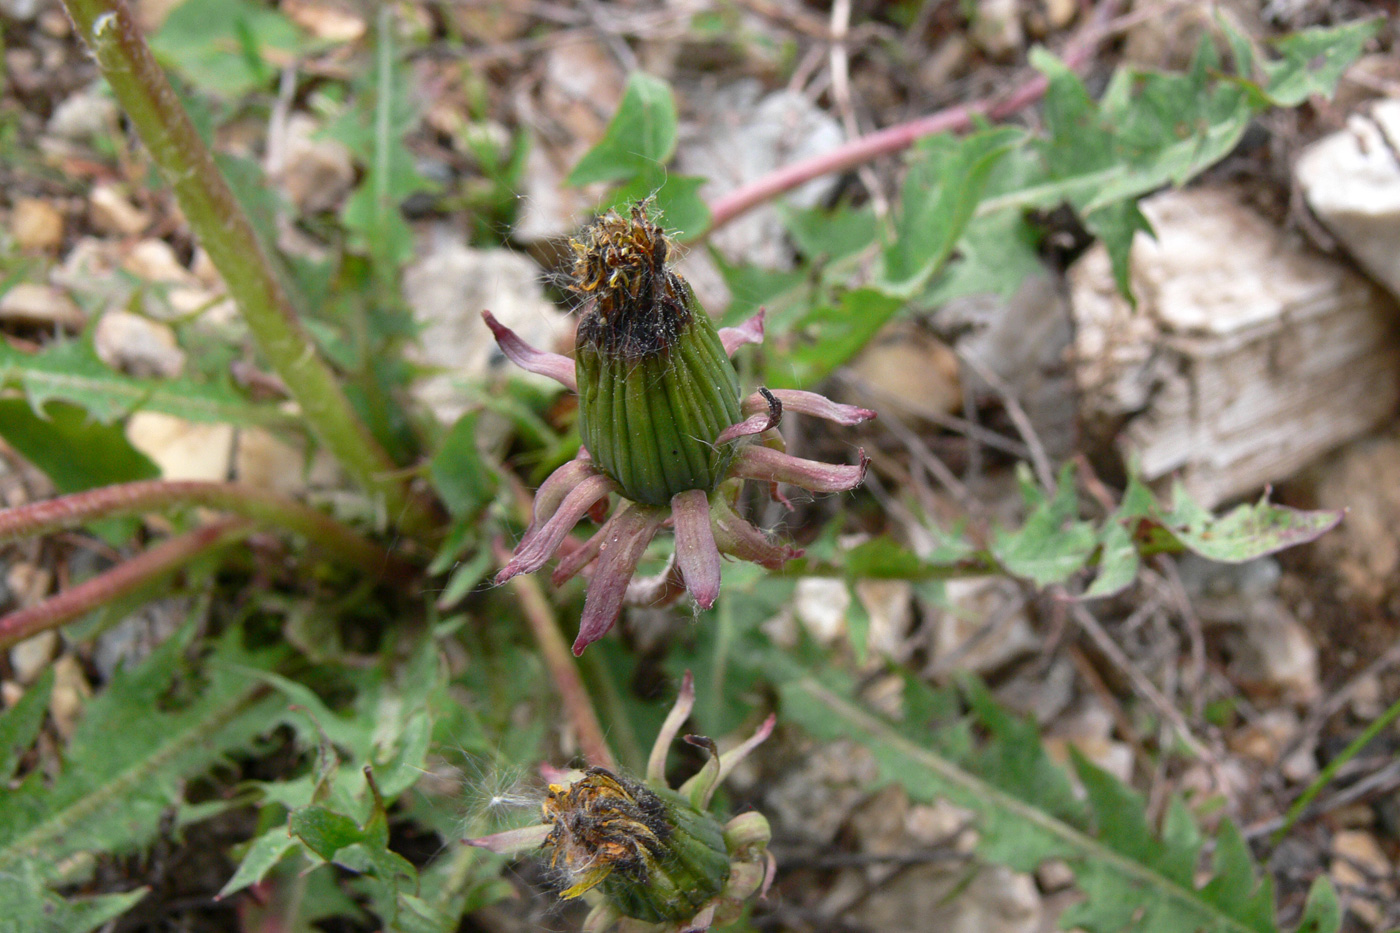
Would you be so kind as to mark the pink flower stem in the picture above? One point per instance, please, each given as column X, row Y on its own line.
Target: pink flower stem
column 560, row 662
column 121, row 580
column 896, row 138
column 263, row 507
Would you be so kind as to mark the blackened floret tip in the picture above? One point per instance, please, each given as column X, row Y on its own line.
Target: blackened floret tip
column 636, row 304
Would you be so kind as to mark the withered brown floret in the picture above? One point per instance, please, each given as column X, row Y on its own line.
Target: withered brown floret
column 635, row 306
column 601, row 824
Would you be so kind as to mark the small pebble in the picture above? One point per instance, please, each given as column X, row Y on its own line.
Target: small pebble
column 36, row 225
column 112, row 212
column 41, row 305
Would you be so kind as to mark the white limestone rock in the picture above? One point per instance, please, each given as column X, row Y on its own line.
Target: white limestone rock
column 447, row 289
column 1248, row 357
column 1351, row 180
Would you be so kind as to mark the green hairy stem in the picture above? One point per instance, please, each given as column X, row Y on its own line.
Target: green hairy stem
column 140, row 86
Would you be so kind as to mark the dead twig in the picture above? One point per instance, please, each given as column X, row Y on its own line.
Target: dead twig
column 840, row 62
column 1195, row 632
column 931, row 463
column 941, row 668
column 607, row 31
column 1121, row 720
column 562, row 669
column 1040, row 460
column 1142, row 684
column 1311, row 728
column 1382, row 781
column 969, row 429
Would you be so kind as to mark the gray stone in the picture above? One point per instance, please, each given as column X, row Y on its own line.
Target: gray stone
column 1272, row 653
column 137, row 346
column 938, row 897
column 1351, row 180
column 44, row 306
column 22, row 10
column 131, row 640
column 447, row 289
column 813, row 800
column 1248, row 357
column 316, row 171
column 89, row 114
column 979, row 626
column 1023, row 340
column 738, row 136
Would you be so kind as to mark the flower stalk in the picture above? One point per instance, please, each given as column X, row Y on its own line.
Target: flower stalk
column 141, row 87
column 562, row 670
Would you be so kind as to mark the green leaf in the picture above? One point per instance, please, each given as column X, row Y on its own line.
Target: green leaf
column 884, row 558
column 1245, row 532
column 465, row 578
column 1119, row 562
column 384, row 728
column 1053, row 544
column 1321, row 913
column 71, row 448
column 27, row 906
column 1312, row 61
column 463, row 480
column 375, row 131
column 70, row 371
column 1131, row 878
column 998, row 249
column 335, row 815
column 753, row 287
column 262, row 855
column 827, row 337
column 151, row 730
column 222, row 45
column 324, row 831
column 829, row 235
column 1150, row 129
column 333, row 836
column 995, row 255
column 19, row 725
column 640, row 136
column 940, row 194
column 1117, row 225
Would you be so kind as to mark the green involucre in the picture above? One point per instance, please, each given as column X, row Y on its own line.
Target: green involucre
column 650, row 421
column 692, row 871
